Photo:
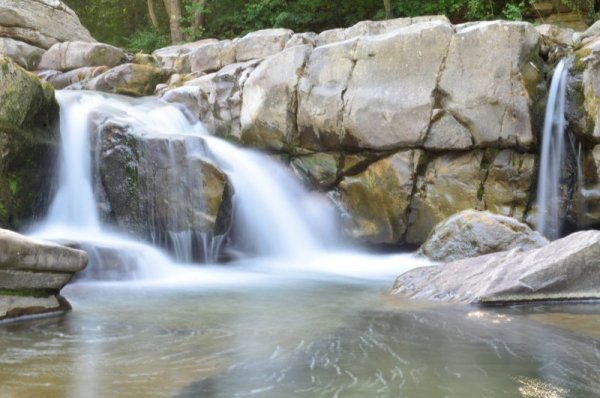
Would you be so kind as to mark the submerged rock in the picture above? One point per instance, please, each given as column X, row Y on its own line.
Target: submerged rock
column 28, row 113
column 472, row 233
column 566, row 269
column 32, row 273
column 41, row 23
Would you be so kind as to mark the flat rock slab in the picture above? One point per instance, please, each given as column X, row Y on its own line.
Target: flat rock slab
column 18, row 252
column 32, row 273
column 17, row 306
column 566, row 269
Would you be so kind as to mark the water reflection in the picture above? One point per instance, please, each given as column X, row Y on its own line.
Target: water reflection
column 293, row 339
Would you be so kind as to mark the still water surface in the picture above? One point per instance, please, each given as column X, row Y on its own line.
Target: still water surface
column 254, row 332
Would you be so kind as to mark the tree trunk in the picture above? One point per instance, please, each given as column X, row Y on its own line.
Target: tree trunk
column 198, row 18
column 174, row 11
column 387, row 6
column 152, row 14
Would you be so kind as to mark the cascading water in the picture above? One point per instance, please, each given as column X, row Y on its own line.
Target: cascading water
column 274, row 215
column 549, row 195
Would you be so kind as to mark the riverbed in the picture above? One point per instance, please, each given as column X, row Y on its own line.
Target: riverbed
column 251, row 329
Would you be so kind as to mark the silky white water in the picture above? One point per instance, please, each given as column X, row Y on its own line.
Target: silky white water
column 549, row 198
column 275, row 217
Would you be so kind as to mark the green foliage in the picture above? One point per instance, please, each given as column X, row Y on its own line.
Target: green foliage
column 126, row 23
column 146, row 41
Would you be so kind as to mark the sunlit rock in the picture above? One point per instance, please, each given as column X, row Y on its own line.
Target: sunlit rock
column 375, row 202
column 472, row 233
column 451, row 183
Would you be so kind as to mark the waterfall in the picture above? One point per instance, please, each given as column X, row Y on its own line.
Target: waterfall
column 550, row 202
column 274, row 214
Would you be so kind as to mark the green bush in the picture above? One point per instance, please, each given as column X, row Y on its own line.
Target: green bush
column 147, row 41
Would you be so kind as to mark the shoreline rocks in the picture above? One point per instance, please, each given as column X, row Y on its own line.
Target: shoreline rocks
column 566, row 269
column 32, row 273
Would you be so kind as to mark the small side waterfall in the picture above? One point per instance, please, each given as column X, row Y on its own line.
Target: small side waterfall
column 549, row 196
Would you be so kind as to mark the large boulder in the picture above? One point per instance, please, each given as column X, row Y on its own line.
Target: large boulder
column 78, row 54
column 24, row 54
column 473, row 233
column 353, row 95
column 501, row 104
column 159, row 186
column 375, row 202
column 268, row 114
column 386, row 109
column 28, row 143
column 41, row 23
column 566, row 269
column 32, row 274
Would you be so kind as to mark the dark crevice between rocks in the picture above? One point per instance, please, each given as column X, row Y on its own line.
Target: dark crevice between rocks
column 342, row 111
column 487, row 160
column 294, row 139
column 419, row 176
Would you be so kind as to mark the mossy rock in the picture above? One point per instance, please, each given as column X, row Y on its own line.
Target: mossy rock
column 28, row 142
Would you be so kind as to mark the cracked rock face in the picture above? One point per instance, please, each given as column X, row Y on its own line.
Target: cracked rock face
column 468, row 99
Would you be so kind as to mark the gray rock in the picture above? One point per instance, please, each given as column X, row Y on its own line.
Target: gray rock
column 212, row 56
column 451, row 183
column 268, row 113
column 300, row 39
column 375, row 202
column 128, row 79
column 500, row 62
column 78, row 54
column 472, row 233
column 371, row 28
column 510, row 183
column 145, row 177
column 41, row 23
column 178, row 58
column 386, row 109
column 566, row 269
column 24, row 54
column 261, row 44
column 320, row 96
column 32, row 272
column 61, row 80
column 446, row 133
column 557, row 35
